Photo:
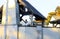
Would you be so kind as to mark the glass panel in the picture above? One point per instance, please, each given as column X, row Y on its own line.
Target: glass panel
column 11, row 32
column 51, row 33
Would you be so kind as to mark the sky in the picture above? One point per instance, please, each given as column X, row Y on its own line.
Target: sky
column 2, row 2
column 43, row 6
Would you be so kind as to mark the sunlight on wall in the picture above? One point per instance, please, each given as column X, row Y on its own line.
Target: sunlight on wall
column 3, row 20
column 1, row 31
column 11, row 3
column 4, row 14
column 9, row 19
column 14, row 33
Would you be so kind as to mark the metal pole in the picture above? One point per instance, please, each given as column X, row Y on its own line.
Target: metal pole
column 6, row 19
column 38, row 31
column 17, row 32
column 42, row 28
column 17, row 18
column 31, row 18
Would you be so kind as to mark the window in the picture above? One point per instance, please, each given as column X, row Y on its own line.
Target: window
column 29, row 15
column 25, row 15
